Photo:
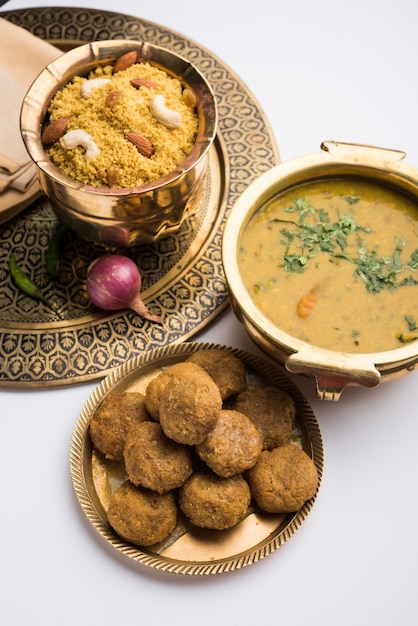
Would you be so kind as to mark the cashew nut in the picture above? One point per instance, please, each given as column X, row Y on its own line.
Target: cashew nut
column 168, row 117
column 93, row 83
column 75, row 138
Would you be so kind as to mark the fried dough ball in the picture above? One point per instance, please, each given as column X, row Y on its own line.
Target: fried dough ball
column 210, row 501
column 112, row 420
column 189, row 406
column 233, row 446
column 272, row 411
column 157, row 385
column 142, row 516
column 227, row 370
column 154, row 461
column 283, row 479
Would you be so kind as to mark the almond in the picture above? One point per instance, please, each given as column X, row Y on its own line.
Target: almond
column 141, row 143
column 113, row 175
column 189, row 98
column 143, row 82
column 54, row 131
column 113, row 98
column 125, row 61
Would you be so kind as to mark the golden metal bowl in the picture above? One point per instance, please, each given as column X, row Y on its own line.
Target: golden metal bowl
column 134, row 215
column 331, row 370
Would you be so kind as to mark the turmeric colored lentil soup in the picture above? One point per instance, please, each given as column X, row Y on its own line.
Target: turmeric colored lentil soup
column 335, row 263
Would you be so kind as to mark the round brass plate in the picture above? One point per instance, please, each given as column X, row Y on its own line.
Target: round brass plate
column 183, row 278
column 189, row 550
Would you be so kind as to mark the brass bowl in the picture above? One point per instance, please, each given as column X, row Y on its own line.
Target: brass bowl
column 331, row 370
column 135, row 215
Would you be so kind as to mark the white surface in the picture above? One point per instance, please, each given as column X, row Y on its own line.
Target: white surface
column 320, row 70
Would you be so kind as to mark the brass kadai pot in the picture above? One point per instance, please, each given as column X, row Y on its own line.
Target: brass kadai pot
column 332, row 370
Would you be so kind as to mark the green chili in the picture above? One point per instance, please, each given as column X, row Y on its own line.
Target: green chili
column 25, row 283
column 52, row 255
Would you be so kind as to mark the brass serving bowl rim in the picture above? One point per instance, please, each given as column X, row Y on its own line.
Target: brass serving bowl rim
column 79, row 61
column 336, row 159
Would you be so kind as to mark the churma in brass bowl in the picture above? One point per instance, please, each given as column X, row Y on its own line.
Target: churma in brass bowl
column 120, row 132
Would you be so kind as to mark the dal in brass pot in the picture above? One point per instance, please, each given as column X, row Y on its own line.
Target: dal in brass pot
column 332, row 370
column 134, row 215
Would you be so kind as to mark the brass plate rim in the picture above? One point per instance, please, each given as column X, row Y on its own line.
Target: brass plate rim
column 34, row 369
column 80, row 461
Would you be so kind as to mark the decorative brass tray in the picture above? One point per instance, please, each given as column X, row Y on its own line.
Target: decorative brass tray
column 182, row 276
column 191, row 550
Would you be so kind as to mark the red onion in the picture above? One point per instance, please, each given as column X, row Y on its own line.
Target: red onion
column 114, row 282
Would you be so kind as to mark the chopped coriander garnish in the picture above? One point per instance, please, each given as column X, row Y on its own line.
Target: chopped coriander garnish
column 376, row 272
column 295, row 263
column 412, row 325
column 413, row 263
column 351, row 199
column 406, row 337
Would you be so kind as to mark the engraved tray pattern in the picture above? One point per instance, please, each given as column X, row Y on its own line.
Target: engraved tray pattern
column 183, row 277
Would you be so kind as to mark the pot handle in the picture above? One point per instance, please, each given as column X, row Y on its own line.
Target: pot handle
column 332, row 375
column 350, row 151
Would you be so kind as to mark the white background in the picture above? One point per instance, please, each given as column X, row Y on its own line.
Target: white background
column 320, row 70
